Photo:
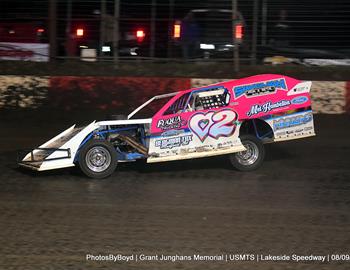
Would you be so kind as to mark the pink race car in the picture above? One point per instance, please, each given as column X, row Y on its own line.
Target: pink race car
column 233, row 118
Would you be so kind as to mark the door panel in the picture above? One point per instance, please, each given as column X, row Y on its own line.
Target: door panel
column 194, row 134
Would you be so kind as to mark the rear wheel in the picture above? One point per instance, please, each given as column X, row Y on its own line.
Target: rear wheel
column 250, row 159
column 98, row 159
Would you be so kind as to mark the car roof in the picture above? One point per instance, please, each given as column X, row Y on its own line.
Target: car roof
column 211, row 10
column 228, row 11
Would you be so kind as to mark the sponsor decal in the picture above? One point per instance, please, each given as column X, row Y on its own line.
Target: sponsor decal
column 174, row 132
column 16, row 53
column 308, row 128
column 278, row 134
column 300, row 88
column 300, row 130
column 300, row 100
column 267, row 107
column 260, row 88
column 171, row 123
column 173, row 142
column 291, row 121
column 37, row 52
column 213, row 124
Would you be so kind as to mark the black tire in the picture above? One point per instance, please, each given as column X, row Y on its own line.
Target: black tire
column 98, row 159
column 252, row 158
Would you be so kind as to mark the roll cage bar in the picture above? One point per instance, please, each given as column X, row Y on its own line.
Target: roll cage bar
column 149, row 101
column 210, row 88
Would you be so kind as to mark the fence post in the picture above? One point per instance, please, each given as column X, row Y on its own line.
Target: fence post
column 170, row 25
column 116, row 34
column 153, row 27
column 263, row 22
column 53, row 29
column 254, row 32
column 235, row 47
column 102, row 26
column 69, row 37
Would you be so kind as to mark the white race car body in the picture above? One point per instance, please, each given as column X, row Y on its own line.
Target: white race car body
column 194, row 123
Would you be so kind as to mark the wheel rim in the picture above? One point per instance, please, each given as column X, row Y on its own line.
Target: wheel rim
column 249, row 156
column 98, row 159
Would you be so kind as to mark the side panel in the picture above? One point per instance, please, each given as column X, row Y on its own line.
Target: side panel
column 270, row 94
column 282, row 102
column 291, row 126
column 60, row 158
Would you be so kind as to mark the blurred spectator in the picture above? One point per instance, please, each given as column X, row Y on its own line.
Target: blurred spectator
column 189, row 36
column 71, row 46
column 281, row 31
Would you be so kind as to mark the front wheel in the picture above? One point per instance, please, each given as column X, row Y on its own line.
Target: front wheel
column 250, row 159
column 98, row 159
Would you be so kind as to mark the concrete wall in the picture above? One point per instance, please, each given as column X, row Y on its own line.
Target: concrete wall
column 122, row 94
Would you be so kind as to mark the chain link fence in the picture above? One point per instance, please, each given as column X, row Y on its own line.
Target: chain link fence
column 241, row 31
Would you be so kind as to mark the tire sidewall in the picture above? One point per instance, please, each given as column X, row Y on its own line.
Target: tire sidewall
column 82, row 159
column 258, row 162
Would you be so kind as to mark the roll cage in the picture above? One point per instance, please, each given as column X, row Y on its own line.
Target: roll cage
column 212, row 97
column 149, row 101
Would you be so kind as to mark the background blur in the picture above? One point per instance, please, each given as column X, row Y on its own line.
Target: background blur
column 246, row 32
column 72, row 61
column 99, row 57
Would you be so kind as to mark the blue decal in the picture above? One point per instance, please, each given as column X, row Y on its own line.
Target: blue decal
column 172, row 132
column 260, row 87
column 292, row 121
column 173, row 142
column 300, row 100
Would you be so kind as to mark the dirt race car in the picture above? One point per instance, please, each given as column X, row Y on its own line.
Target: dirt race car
column 234, row 118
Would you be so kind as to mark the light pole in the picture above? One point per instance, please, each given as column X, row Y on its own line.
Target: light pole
column 102, row 26
column 235, row 47
column 116, row 34
column 53, row 29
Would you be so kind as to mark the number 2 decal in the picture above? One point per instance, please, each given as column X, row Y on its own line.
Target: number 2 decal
column 213, row 124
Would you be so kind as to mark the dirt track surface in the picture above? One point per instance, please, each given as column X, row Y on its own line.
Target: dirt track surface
column 297, row 203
